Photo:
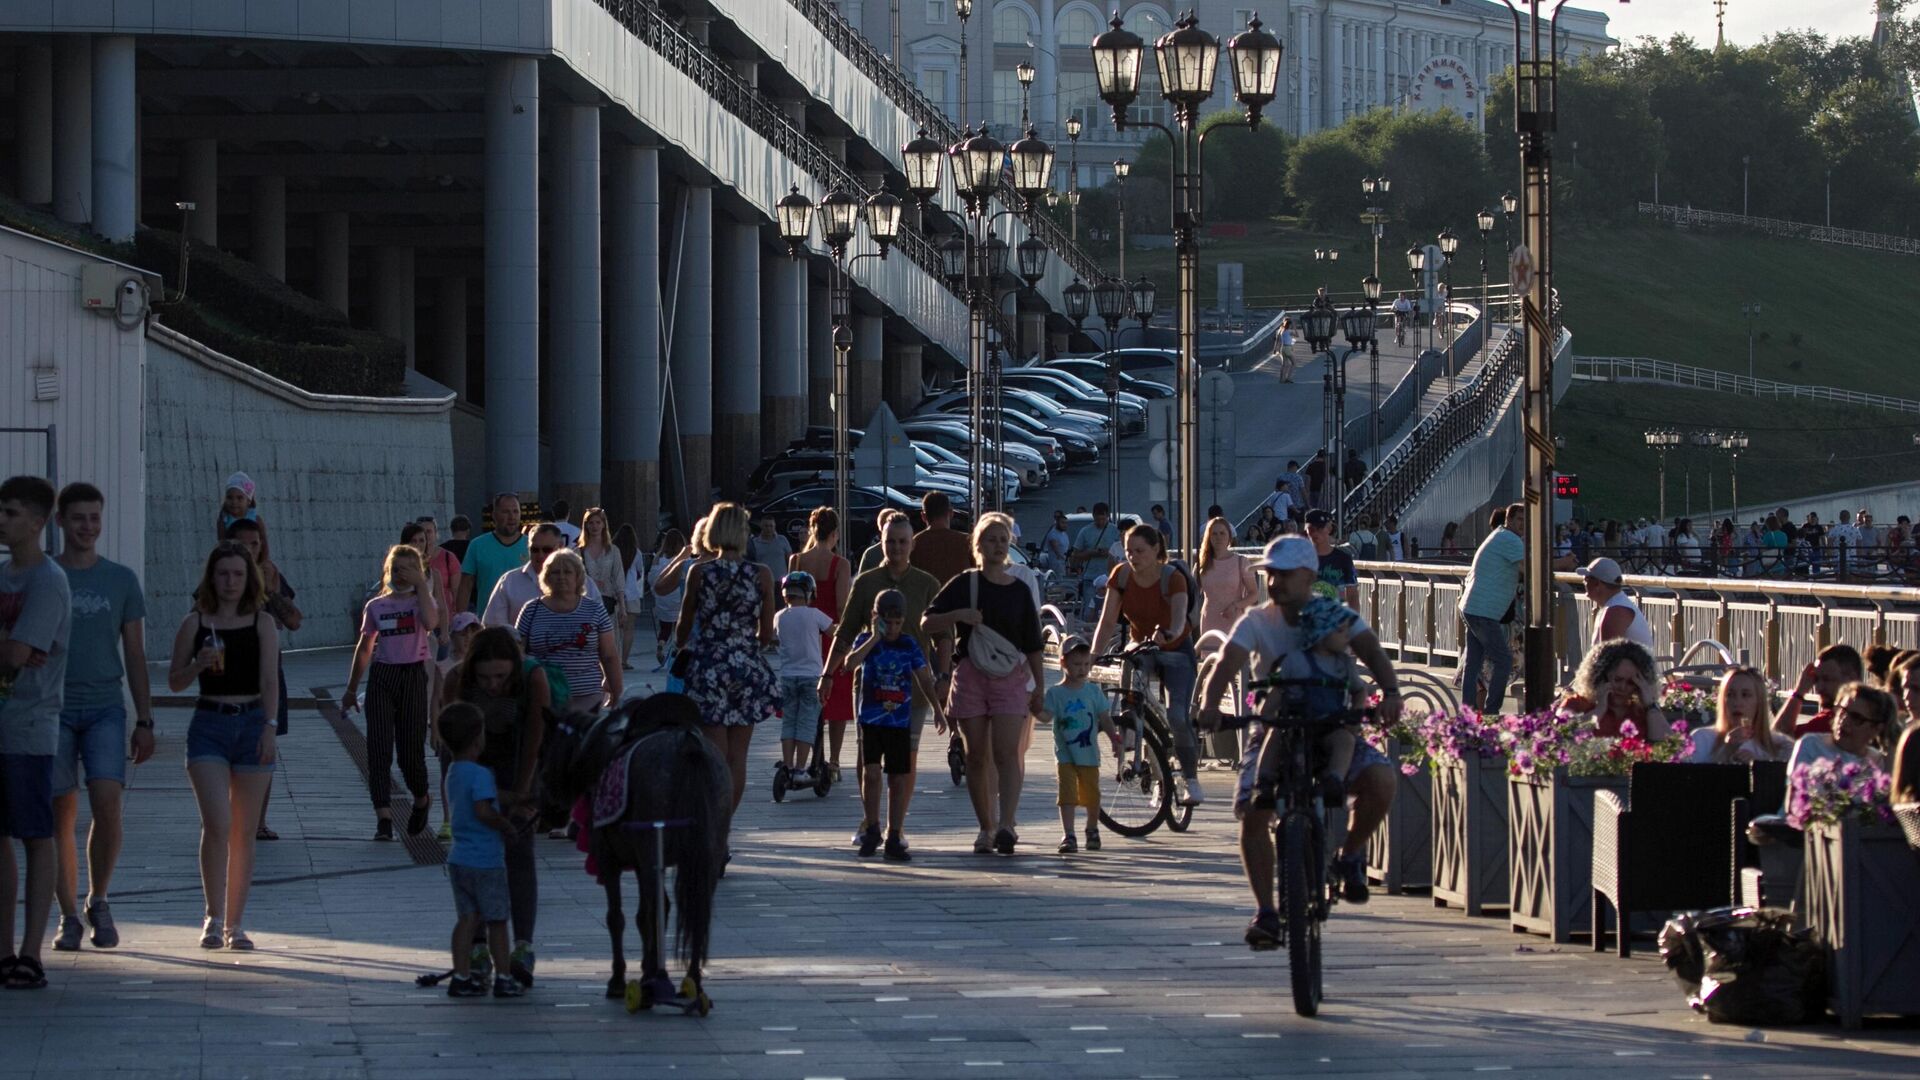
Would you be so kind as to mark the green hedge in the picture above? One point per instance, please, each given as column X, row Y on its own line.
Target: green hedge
column 234, row 307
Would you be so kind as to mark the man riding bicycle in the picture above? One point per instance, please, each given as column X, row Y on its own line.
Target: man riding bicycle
column 1402, row 318
column 1269, row 634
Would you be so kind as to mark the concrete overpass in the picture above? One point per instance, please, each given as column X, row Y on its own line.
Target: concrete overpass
column 561, row 207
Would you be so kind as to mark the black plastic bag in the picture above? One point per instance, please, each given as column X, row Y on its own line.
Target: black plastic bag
column 1746, row 966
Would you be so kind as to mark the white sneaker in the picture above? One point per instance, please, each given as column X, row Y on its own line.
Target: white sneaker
column 1193, row 795
column 1180, row 790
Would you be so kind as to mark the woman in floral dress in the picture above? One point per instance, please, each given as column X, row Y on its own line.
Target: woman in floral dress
column 726, row 622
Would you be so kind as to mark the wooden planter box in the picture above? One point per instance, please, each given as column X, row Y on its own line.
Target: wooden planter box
column 1400, row 855
column 1470, row 833
column 1862, row 888
column 1550, row 851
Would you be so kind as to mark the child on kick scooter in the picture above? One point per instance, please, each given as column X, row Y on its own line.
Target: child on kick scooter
column 799, row 628
column 891, row 666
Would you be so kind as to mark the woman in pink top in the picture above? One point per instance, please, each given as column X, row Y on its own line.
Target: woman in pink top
column 395, row 638
column 1227, row 586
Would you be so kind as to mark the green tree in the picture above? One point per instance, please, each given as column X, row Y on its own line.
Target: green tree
column 1233, row 153
column 1323, row 178
column 1865, row 130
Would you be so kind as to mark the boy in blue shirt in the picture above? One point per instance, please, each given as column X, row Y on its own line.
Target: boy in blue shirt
column 1076, row 708
column 477, row 862
column 891, row 665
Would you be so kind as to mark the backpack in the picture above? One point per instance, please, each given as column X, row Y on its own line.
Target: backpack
column 1194, row 599
column 559, row 691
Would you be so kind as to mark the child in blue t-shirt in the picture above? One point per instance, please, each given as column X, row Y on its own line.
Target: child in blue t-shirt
column 1077, row 708
column 891, row 665
column 477, row 862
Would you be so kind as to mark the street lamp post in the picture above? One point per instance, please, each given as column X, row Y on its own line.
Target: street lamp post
column 1370, row 285
column 1735, row 444
column 1073, row 176
column 1187, row 57
column 1318, row 324
column 1509, row 206
column 1449, row 244
column 1417, row 269
column 964, row 9
column 1376, row 214
column 1707, row 442
column 1661, row 440
column 840, row 219
column 1120, row 171
column 1484, row 220
column 1750, row 311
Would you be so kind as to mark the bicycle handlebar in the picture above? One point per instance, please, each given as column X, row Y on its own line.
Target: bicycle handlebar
column 1236, row 721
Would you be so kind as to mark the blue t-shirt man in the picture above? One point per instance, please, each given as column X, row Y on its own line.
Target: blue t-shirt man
column 475, row 844
column 1076, row 713
column 886, row 681
column 1096, row 539
column 106, row 597
column 1495, row 575
column 35, row 610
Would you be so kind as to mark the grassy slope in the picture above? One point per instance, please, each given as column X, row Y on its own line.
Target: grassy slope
column 1830, row 316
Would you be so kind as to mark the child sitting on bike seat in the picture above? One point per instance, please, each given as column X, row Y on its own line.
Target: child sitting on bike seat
column 1326, row 627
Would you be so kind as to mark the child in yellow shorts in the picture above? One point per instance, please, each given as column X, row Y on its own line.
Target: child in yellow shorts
column 1077, row 708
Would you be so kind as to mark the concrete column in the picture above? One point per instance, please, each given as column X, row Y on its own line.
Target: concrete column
column 512, row 222
column 631, row 476
column 736, row 349
column 73, row 128
column 783, row 351
column 574, row 434
column 1046, row 78
column 1303, row 52
column 200, row 184
column 330, row 253
column 450, row 334
column 33, row 124
column 696, row 27
column 393, row 296
column 900, row 382
column 267, row 222
column 863, row 378
column 691, row 358
column 819, row 355
column 556, row 272
column 1033, row 334
column 1327, row 47
column 116, row 143
column 1381, row 89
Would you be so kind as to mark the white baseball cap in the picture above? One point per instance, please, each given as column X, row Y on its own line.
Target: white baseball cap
column 1603, row 570
column 1290, row 553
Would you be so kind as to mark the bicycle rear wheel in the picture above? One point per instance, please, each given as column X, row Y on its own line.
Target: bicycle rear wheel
column 1135, row 796
column 1297, row 852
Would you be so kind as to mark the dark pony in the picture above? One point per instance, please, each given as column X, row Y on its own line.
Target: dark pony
column 674, row 776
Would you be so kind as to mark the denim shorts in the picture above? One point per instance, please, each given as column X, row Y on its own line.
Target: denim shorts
column 26, row 796
column 479, row 891
column 799, row 707
column 92, row 738
column 1365, row 756
column 233, row 741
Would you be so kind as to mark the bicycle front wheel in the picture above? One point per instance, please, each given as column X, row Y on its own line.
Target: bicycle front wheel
column 1297, row 852
column 1136, row 792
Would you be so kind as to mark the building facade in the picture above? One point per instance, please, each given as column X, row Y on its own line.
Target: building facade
column 1343, row 57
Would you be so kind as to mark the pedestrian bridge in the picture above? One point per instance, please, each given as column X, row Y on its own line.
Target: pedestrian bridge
column 605, row 169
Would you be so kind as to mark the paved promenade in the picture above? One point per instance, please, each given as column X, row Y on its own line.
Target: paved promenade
column 1123, row 963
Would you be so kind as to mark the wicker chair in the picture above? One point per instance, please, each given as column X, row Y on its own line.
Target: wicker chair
column 1663, row 850
column 1906, row 785
column 1769, row 795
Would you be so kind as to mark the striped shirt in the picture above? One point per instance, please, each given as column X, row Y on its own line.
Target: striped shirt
column 570, row 640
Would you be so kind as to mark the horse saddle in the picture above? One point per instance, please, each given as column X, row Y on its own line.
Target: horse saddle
column 608, row 737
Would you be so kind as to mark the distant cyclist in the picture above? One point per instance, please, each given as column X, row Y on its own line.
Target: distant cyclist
column 1269, row 634
column 1402, row 318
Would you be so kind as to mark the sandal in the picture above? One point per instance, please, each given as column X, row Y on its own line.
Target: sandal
column 24, row 973
column 238, row 941
column 264, row 833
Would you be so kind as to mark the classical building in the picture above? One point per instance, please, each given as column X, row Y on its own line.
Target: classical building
column 1342, row 57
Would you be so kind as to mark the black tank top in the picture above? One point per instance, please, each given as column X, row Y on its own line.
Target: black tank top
column 239, row 675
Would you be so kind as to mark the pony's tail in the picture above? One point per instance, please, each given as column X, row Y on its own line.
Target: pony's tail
column 698, row 876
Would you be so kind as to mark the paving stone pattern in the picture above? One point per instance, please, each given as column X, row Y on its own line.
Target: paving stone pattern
column 1123, row 963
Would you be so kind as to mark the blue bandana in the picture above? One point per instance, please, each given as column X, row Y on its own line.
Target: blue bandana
column 1324, row 615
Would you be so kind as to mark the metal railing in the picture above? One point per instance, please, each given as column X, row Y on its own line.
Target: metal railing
column 1778, row 626
column 1686, row 217
column 892, row 81
column 1668, row 373
column 1396, row 480
column 654, row 28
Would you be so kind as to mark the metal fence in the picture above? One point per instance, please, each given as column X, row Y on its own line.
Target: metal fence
column 1686, row 217
column 892, row 81
column 1777, row 626
column 1668, row 373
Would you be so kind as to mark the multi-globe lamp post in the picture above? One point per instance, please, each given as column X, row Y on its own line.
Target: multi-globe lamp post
column 1449, row 244
column 840, row 218
column 1734, row 443
column 1370, row 286
column 1187, row 57
column 974, row 259
column 1661, row 440
column 1375, row 217
column 1073, row 177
